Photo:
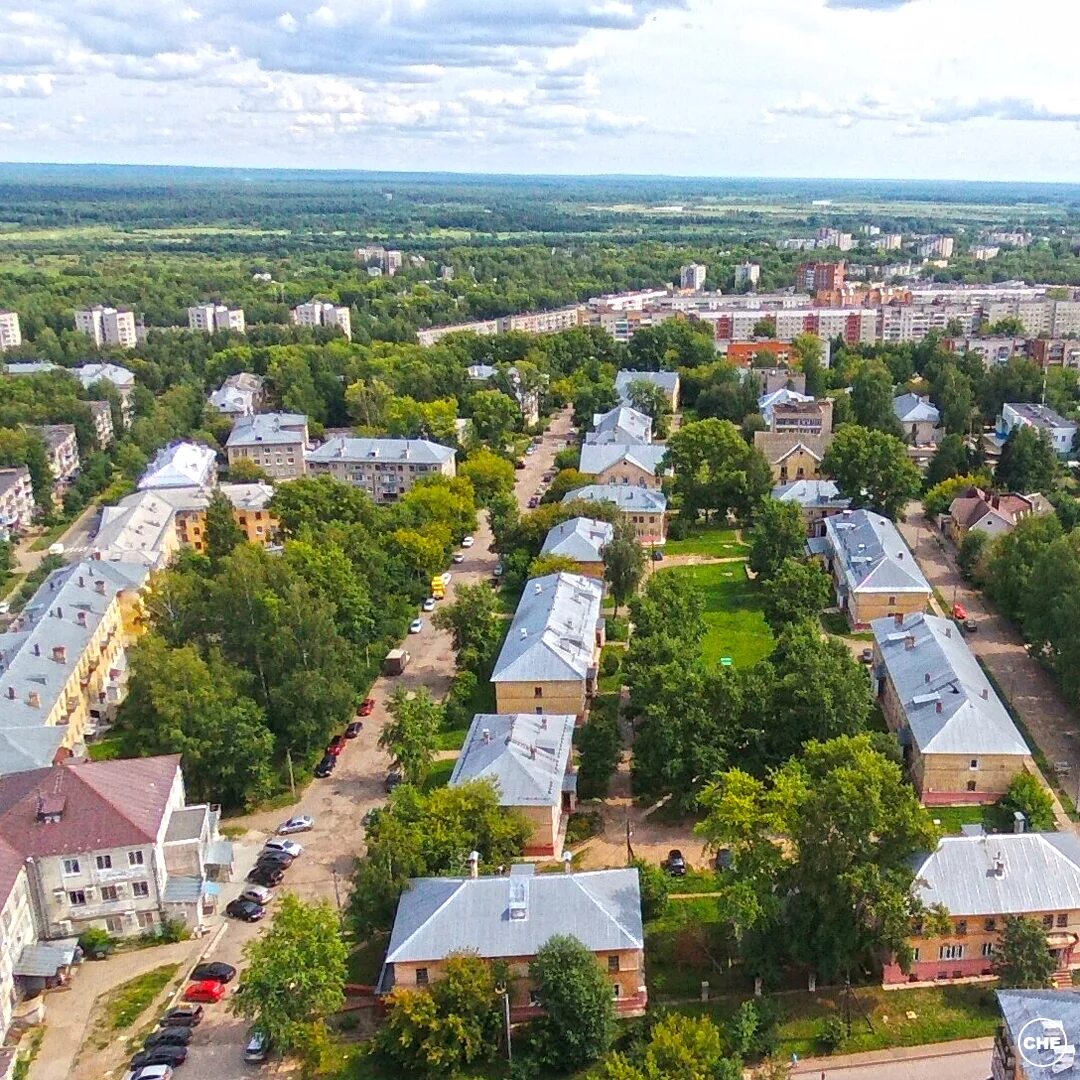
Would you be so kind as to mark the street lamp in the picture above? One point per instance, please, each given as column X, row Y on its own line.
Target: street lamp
column 504, row 993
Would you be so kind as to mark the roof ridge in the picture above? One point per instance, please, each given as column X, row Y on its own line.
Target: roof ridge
column 603, row 907
column 452, row 894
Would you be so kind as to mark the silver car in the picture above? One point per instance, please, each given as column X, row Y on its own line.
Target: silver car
column 300, row 823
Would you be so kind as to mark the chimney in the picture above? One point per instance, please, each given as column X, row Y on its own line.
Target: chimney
column 33, row 699
column 543, row 723
column 82, row 582
column 99, row 586
column 524, row 633
column 59, row 612
column 567, row 862
column 909, row 641
column 948, row 631
column 80, row 618
column 487, row 735
column 59, row 654
column 11, row 693
column 926, row 677
column 474, row 864
column 985, row 694
column 37, row 649
column 532, row 750
column 1019, row 821
column 937, row 706
column 899, row 619
column 999, row 865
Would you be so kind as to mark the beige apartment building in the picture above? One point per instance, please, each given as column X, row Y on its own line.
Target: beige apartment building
column 323, row 313
column 385, row 468
column 107, row 326
column 16, row 931
column 10, row 332
column 213, row 318
column 16, row 501
column 644, row 509
column 101, row 416
column 792, row 456
column 62, row 450
column 276, row 442
column 583, row 540
column 635, row 464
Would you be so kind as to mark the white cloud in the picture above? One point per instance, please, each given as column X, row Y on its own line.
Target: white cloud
column 26, row 86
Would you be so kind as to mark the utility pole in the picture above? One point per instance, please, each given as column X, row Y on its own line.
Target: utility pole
column 847, row 1002
column 292, row 781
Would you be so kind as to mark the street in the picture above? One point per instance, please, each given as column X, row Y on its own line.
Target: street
column 338, row 805
column 966, row 1060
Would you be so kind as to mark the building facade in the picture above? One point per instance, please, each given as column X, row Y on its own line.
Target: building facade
column 385, row 468
column 276, row 442
column 213, row 318
column 816, row 500
column 792, row 456
column 10, row 332
column 643, row 509
column 107, row 326
column 16, row 502
column 692, row 276
column 665, row 381
column 1059, row 432
column 638, row 465
column 62, row 451
column 323, row 313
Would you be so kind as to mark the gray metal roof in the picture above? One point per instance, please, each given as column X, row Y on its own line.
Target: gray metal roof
column 181, row 464
column 269, row 429
column 31, row 367
column 1040, row 873
column 43, row 959
column 140, row 526
column 552, row 636
column 1040, row 416
column 183, row 890
column 620, row 425
column 872, row 554
column 668, row 381
column 438, row 916
column 581, row 539
column 783, row 396
column 948, row 702
column 120, row 377
column 1022, row 1007
column 596, row 457
column 811, row 494
column 343, row 448
column 911, row 409
column 525, row 754
column 624, row 496
column 255, row 496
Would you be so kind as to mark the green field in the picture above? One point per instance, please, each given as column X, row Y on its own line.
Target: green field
column 736, row 625
column 715, row 542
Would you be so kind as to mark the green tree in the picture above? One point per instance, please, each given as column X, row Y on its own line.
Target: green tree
column 543, row 565
column 579, row 1022
column 655, row 887
column 1011, row 560
column 778, row 534
column 624, row 563
column 1027, row 795
column 872, row 398
column 422, row 553
column 687, row 1047
column 1028, row 462
column 955, row 394
column 1023, row 960
column 295, row 973
column 872, row 469
column 473, row 620
column 952, row 458
column 649, row 399
column 245, row 471
column 599, row 747
column 969, row 555
column 797, row 591
column 222, row 532
column 565, row 481
column 494, row 416
column 411, row 733
column 940, row 497
column 809, row 351
column 490, row 474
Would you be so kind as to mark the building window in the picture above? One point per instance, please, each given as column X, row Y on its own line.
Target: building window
column 534, row 1000
column 114, row 924
column 71, row 866
column 990, row 925
column 135, row 858
column 974, row 763
column 76, row 897
column 140, row 888
column 616, row 990
column 421, row 977
column 892, row 599
column 971, row 785
column 988, row 948
column 146, row 919
column 104, row 862
column 613, row 963
column 109, row 894
column 538, row 691
column 1062, row 921
column 1048, row 922
column 915, row 955
column 961, row 926
column 951, row 952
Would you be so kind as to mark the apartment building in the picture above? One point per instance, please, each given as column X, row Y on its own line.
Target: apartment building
column 692, row 276
column 61, row 660
column 903, row 322
column 792, row 414
column 992, row 513
column 816, row 500
column 113, row 845
column 919, row 419
column 981, row 881
column 101, row 417
column 854, row 325
column 1054, row 352
column 623, row 322
column 542, row 322
column 276, row 442
column 620, row 425
column 1059, row 432
column 792, row 456
column 583, row 540
column 638, row 464
column 960, row 745
column 743, row 353
column 483, row 328
column 210, row 318
column 323, row 313
column 10, row 332
column 547, row 663
column 936, row 247
column 16, row 501
column 107, row 326
column 509, row 919
column 665, row 381
column 240, row 394
column 181, row 465
column 1000, row 350
column 887, row 242
column 747, row 275
column 18, row 936
column 122, row 379
column 385, row 468
column 815, row 277
column 833, row 238
column 62, row 450
column 644, row 509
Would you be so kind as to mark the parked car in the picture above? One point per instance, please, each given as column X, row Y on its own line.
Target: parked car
column 353, row 729
column 657, row 555
column 56, row 549
column 300, row 823
column 447, row 577
column 959, row 612
column 534, row 502
column 519, row 463
column 160, row 1055
column 428, row 604
column 393, row 778
column 153, row 1072
column 724, row 860
column 457, row 557
column 266, row 876
column 867, row 656
column 170, row 1036
column 209, row 991
column 468, row 542
column 416, row 626
column 336, row 745
column 499, row 568
column 273, row 860
column 675, row 864
column 183, row 1015
column 970, row 625
column 246, row 910
column 326, row 766
column 531, row 448
column 289, row 847
column 257, row 894
column 258, row 1048
column 213, row 969
column 367, row 707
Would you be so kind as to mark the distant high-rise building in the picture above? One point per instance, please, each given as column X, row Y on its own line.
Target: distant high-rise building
column 323, row 313
column 827, row 238
column 10, row 334
column 817, row 277
column 107, row 325
column 692, row 276
column 747, row 273
column 209, row 318
column 392, row 261
column 936, row 247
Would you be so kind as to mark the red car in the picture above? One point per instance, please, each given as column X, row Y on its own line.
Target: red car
column 209, row 991
column 959, row 612
column 367, row 707
column 337, row 744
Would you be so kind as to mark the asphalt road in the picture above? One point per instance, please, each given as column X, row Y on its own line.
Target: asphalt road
column 970, row 1065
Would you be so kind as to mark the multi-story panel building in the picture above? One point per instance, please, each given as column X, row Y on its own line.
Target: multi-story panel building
column 542, row 322
column 747, row 275
column 101, row 417
column 16, row 501
column 903, row 322
column 385, row 468
column 815, row 277
column 122, row 379
column 692, row 276
column 813, row 417
column 323, row 313
column 484, row 328
column 181, row 465
column 107, row 326
column 276, row 442
column 996, row 350
column 62, row 450
column 211, row 318
column 1059, row 432
column 936, row 247
column 643, row 508
column 10, row 332
column 1054, row 352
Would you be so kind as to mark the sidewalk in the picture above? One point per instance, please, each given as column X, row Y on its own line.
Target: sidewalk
column 904, row 1059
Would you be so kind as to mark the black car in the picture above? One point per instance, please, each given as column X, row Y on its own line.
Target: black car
column 675, row 864
column 245, row 910
column 187, row 1015
column 326, row 766
column 223, row 973
column 657, row 555
column 354, row 729
column 280, row 859
column 160, row 1055
column 266, row 876
column 393, row 778
column 724, row 860
column 170, row 1036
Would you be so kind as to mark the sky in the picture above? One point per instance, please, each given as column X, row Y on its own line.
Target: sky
column 957, row 89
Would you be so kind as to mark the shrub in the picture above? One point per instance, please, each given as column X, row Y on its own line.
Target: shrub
column 610, row 662
column 679, row 528
column 833, row 1034
column 600, row 748
column 582, row 825
column 655, row 889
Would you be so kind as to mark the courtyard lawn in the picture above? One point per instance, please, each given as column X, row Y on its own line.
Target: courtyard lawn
column 711, row 540
column 736, row 625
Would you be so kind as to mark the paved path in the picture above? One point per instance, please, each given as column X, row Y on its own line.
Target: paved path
column 967, row 1059
column 76, row 540
column 1053, row 725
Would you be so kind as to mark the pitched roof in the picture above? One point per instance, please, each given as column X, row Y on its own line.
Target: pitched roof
column 1041, row 872
column 913, row 409
column 180, row 464
column 120, row 377
column 777, row 445
column 783, row 396
column 438, row 916
column 596, row 457
column 344, row 448
column 554, row 629
column 948, row 702
column 268, row 429
column 139, row 527
column 811, row 494
column 255, row 496
column 102, row 804
column 526, row 755
column 1022, row 1007
column 872, row 554
column 620, row 425
column 11, row 862
column 624, row 496
column 581, row 539
column 668, row 381
column 31, row 367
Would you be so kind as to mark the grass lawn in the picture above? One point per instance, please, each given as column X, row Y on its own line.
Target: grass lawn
column 714, row 541
column 952, row 817
column 453, row 739
column 736, row 625
column 104, row 750
column 131, row 999
column 365, row 962
column 439, row 774
column 612, row 683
